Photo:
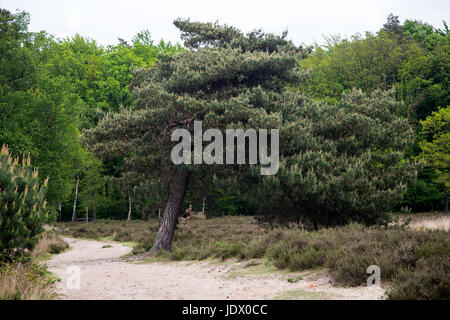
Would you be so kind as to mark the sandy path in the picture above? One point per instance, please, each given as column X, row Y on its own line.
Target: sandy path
column 104, row 275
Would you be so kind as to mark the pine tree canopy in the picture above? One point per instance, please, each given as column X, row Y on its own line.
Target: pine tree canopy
column 338, row 162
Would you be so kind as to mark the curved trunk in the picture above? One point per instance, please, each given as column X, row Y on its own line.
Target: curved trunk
column 171, row 212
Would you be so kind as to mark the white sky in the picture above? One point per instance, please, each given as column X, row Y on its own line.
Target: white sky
column 306, row 21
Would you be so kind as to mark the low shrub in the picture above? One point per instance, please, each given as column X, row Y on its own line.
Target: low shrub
column 25, row 282
column 414, row 263
column 29, row 280
column 49, row 243
column 430, row 279
column 228, row 250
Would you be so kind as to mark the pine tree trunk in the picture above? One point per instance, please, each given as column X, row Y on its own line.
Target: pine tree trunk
column 171, row 212
column 129, row 206
column 74, row 213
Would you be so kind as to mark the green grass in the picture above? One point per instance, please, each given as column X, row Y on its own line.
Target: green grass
column 257, row 268
column 295, row 279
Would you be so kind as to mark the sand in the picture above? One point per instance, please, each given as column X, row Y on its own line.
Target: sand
column 106, row 275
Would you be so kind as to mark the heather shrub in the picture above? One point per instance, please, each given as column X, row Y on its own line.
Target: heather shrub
column 414, row 264
column 430, row 279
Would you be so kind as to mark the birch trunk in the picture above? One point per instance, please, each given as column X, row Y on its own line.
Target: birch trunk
column 129, row 207
column 74, row 213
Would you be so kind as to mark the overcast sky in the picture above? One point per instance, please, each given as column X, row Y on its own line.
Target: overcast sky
column 306, row 21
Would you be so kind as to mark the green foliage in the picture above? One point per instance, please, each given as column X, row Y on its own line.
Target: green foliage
column 92, row 184
column 413, row 58
column 392, row 25
column 229, row 199
column 295, row 279
column 227, row 250
column 180, row 88
column 38, row 110
column 23, row 209
column 101, row 76
column 436, row 144
column 51, row 89
column 341, row 162
column 424, row 34
column 423, row 196
column 423, row 77
column 366, row 63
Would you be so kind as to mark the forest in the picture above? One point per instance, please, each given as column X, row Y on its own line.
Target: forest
column 364, row 127
column 54, row 89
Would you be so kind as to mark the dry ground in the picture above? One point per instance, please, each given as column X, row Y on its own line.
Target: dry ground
column 106, row 275
column 431, row 221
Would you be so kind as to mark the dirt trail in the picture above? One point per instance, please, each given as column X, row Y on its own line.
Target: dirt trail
column 105, row 275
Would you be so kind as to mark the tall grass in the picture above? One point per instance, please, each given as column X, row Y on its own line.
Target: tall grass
column 29, row 280
column 48, row 244
column 25, row 282
column 441, row 222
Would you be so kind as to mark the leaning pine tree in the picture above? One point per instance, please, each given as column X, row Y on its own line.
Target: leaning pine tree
column 228, row 79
